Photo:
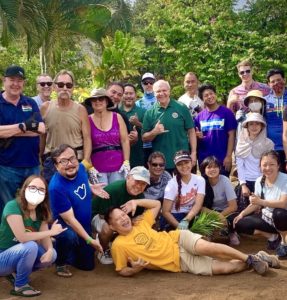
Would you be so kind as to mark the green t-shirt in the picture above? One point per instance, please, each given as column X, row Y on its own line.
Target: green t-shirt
column 137, row 154
column 177, row 120
column 118, row 196
column 7, row 238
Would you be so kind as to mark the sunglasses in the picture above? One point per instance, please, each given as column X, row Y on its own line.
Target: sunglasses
column 69, row 85
column 42, row 84
column 245, row 72
column 157, row 165
column 148, row 82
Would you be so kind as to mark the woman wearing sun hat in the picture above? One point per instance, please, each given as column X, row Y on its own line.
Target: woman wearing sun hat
column 252, row 142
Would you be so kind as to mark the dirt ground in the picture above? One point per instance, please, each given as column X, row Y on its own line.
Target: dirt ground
column 104, row 283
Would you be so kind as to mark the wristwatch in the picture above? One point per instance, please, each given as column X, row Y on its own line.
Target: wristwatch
column 21, row 127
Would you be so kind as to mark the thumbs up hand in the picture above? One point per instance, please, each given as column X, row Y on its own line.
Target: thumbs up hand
column 133, row 135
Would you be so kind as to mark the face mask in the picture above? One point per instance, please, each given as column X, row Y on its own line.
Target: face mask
column 34, row 198
column 255, row 106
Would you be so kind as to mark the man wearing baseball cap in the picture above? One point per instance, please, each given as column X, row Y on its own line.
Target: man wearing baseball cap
column 20, row 127
column 120, row 192
column 146, row 102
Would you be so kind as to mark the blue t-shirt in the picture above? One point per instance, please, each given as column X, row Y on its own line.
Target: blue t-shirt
column 22, row 152
column 274, row 118
column 75, row 193
column 215, row 126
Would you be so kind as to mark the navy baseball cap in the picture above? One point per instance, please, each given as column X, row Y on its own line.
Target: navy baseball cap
column 14, row 70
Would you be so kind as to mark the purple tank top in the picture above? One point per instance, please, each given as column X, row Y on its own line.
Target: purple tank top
column 109, row 160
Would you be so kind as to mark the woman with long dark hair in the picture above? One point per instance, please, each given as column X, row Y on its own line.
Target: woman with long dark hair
column 220, row 195
column 270, row 197
column 184, row 193
column 25, row 239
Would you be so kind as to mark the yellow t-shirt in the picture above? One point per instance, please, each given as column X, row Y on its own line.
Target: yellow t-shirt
column 160, row 249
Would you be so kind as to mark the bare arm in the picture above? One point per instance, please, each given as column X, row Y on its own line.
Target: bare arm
column 86, row 131
column 46, row 242
column 136, row 267
column 166, row 212
column 124, row 138
column 231, row 208
column 196, row 207
column 17, row 226
column 227, row 162
column 281, row 203
column 131, row 205
column 193, row 144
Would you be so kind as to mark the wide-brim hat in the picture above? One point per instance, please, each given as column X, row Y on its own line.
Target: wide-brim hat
column 140, row 173
column 254, row 93
column 99, row 93
column 254, row 117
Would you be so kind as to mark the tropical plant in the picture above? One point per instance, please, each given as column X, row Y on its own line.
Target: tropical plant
column 121, row 59
column 206, row 223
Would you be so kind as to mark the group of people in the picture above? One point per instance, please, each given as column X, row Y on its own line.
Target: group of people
column 119, row 175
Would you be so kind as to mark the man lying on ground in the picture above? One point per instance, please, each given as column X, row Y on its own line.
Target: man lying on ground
column 139, row 247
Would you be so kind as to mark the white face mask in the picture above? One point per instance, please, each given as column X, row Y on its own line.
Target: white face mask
column 34, row 198
column 255, row 106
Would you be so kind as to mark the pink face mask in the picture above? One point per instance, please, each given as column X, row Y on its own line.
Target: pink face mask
column 278, row 87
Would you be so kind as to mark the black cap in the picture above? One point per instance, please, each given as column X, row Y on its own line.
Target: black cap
column 14, row 71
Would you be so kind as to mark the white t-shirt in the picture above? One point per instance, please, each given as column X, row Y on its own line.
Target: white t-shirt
column 195, row 104
column 223, row 192
column 271, row 193
column 189, row 190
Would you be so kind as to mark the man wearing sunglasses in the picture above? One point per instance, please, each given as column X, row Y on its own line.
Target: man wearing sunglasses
column 146, row 102
column 20, row 127
column 44, row 85
column 237, row 94
column 66, row 122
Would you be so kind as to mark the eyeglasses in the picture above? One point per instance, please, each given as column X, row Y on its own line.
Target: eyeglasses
column 34, row 189
column 65, row 161
column 245, row 72
column 148, row 82
column 69, row 85
column 157, row 165
column 42, row 84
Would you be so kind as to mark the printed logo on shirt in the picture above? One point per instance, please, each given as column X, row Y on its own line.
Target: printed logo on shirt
column 26, row 108
column 81, row 191
column 174, row 115
column 190, row 196
column 141, row 239
column 213, row 124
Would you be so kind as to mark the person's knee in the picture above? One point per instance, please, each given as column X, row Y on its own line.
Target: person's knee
column 69, row 237
column 280, row 219
column 29, row 248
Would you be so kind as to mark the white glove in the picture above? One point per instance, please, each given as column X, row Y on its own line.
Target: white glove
column 125, row 168
column 93, row 175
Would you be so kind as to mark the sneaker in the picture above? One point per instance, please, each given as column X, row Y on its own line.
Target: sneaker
column 258, row 265
column 273, row 245
column 63, row 271
column 233, row 239
column 105, row 258
column 281, row 251
column 272, row 260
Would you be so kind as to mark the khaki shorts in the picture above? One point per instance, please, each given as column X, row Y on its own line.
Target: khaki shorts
column 189, row 261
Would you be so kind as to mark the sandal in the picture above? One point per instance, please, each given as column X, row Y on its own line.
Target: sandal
column 63, row 271
column 23, row 291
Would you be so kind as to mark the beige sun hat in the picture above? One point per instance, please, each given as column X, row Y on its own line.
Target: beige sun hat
column 254, row 93
column 254, row 117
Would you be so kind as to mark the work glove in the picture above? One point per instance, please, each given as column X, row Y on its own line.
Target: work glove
column 125, row 168
column 183, row 224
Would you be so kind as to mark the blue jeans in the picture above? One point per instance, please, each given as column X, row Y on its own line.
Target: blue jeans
column 11, row 179
column 22, row 259
column 73, row 250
